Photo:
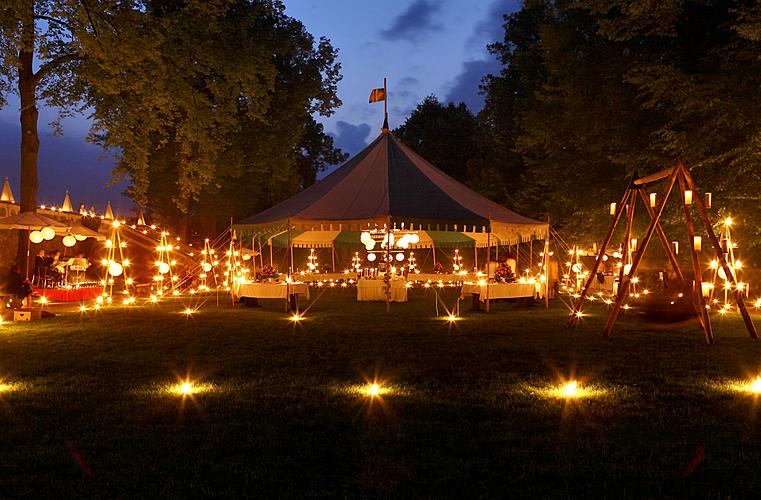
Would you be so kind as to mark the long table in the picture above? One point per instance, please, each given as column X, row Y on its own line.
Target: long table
column 444, row 278
column 375, row 290
column 496, row 291
column 283, row 291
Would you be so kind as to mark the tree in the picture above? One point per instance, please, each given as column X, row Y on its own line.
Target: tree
column 444, row 135
column 591, row 91
column 241, row 134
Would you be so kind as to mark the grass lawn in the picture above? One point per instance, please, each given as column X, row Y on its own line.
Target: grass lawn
column 467, row 412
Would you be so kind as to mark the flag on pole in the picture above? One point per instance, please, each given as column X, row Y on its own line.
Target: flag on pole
column 377, row 95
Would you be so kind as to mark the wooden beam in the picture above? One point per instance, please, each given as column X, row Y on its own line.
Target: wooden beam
column 654, row 177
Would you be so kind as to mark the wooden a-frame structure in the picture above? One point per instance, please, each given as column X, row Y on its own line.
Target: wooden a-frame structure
column 689, row 196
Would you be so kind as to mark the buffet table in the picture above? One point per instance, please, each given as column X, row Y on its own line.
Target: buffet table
column 374, row 290
column 312, row 277
column 435, row 278
column 497, row 291
column 251, row 292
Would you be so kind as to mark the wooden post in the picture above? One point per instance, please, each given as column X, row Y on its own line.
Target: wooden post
column 697, row 298
column 627, row 239
column 546, row 267
column 616, row 218
column 623, row 287
column 488, row 262
column 720, row 254
column 290, row 269
column 333, row 254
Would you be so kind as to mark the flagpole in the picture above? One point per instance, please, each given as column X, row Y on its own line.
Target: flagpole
column 385, row 100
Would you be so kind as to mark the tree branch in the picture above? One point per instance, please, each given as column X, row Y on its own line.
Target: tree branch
column 56, row 21
column 53, row 64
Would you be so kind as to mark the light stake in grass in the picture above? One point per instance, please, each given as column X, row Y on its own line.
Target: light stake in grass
column 452, row 318
column 755, row 386
column 570, row 389
column 296, row 318
column 188, row 311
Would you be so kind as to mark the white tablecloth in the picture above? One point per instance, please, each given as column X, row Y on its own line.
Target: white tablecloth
column 311, row 277
column 445, row 278
column 372, row 290
column 603, row 287
column 499, row 290
column 272, row 290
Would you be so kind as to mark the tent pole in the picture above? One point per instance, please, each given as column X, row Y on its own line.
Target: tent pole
column 270, row 244
column 333, row 255
column 290, row 268
column 388, row 260
column 546, row 267
column 475, row 256
column 488, row 259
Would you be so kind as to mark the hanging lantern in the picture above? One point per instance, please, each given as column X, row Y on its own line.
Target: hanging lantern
column 48, row 233
column 697, row 243
column 687, row 197
column 115, row 269
column 206, row 267
column 705, row 288
column 69, row 241
column 79, row 237
column 163, row 268
column 400, row 257
column 612, row 209
column 675, row 246
column 371, row 257
column 633, row 245
column 36, row 237
column 653, row 199
column 708, row 200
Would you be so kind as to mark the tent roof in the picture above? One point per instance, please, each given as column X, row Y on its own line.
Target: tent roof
column 388, row 181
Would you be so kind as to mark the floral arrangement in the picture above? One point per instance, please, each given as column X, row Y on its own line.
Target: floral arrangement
column 438, row 268
column 504, row 273
column 266, row 273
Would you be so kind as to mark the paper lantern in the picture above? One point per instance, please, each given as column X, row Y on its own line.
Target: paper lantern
column 163, row 268
column 36, row 237
column 653, row 199
column 79, row 237
column 206, row 267
column 69, row 241
column 627, row 268
column 705, row 288
column 371, row 257
column 370, row 245
column 48, row 233
column 612, row 209
column 400, row 257
column 697, row 243
column 576, row 268
column 246, row 257
column 687, row 197
column 722, row 274
column 115, row 269
column 414, row 239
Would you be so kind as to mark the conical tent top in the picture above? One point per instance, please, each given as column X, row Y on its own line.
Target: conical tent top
column 109, row 212
column 141, row 219
column 7, row 194
column 66, row 207
column 384, row 128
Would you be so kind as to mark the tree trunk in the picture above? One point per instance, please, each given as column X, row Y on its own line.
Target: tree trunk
column 30, row 140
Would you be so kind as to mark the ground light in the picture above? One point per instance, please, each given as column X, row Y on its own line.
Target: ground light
column 452, row 318
column 752, row 386
column 296, row 318
column 568, row 390
column 188, row 388
column 188, row 311
column 83, row 308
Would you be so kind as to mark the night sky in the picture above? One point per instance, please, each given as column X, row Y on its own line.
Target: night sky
column 422, row 46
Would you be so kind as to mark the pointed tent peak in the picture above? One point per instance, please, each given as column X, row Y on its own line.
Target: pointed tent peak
column 109, row 212
column 141, row 219
column 384, row 128
column 66, row 206
column 7, row 194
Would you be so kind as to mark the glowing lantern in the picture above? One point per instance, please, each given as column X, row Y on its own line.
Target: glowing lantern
column 69, row 241
column 79, row 237
column 705, row 288
column 687, row 197
column 115, row 269
column 36, row 237
column 697, row 243
column 163, row 268
column 48, row 233
column 400, row 257
column 206, row 267
column 653, row 199
column 371, row 257
column 612, row 209
column 708, row 198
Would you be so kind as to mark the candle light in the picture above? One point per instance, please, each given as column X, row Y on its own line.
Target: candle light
column 708, row 200
column 688, row 197
column 652, row 199
column 697, row 243
column 612, row 209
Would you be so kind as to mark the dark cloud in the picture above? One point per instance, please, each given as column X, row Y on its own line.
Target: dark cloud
column 408, row 81
column 351, row 138
column 466, row 86
column 65, row 162
column 414, row 23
